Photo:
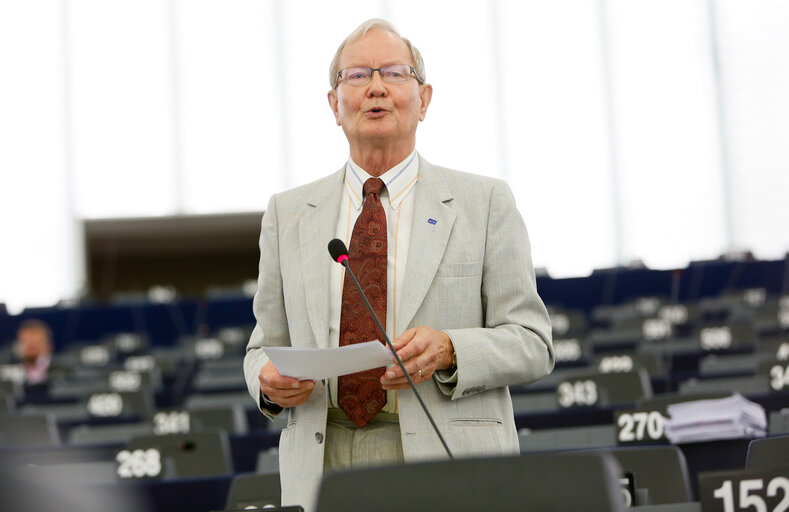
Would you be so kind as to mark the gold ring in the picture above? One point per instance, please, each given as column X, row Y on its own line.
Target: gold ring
column 419, row 373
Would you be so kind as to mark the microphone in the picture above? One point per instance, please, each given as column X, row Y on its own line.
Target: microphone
column 339, row 253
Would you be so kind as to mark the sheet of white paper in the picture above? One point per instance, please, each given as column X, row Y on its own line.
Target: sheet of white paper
column 324, row 363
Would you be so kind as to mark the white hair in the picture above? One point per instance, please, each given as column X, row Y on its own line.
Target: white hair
column 360, row 32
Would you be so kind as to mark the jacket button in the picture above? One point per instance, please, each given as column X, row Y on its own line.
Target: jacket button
column 319, row 437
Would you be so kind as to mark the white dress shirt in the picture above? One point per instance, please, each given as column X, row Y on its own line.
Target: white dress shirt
column 36, row 373
column 397, row 200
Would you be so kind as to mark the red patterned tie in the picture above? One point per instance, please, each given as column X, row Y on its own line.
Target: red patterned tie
column 360, row 394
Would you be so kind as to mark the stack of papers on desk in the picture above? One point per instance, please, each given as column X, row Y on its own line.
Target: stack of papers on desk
column 733, row 417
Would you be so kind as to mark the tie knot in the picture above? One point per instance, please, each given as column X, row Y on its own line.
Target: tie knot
column 373, row 186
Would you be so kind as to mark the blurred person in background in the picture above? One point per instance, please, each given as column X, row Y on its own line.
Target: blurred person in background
column 34, row 349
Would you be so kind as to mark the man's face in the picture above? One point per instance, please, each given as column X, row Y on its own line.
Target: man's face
column 32, row 343
column 379, row 112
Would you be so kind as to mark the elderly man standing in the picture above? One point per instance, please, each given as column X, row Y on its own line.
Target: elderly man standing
column 444, row 258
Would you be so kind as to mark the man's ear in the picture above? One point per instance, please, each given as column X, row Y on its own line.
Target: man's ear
column 426, row 94
column 332, row 97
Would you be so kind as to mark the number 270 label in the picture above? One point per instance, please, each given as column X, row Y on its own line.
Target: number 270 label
column 640, row 427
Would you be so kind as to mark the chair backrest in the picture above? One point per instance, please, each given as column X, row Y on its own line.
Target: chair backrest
column 571, row 350
column 7, row 402
column 131, row 380
column 692, row 506
column 232, row 418
column 741, row 335
column 220, row 375
column 115, row 404
column 28, row 430
column 66, row 488
column 728, row 365
column 107, row 434
column 77, row 385
column 604, row 389
column 254, row 490
column 774, row 348
column 661, row 402
column 533, row 482
column 268, row 462
column 68, row 412
column 219, row 399
column 550, row 381
column 779, row 422
column 758, row 384
column 660, row 469
column 10, row 388
column 568, row 323
column 624, row 332
column 192, row 454
column 626, row 361
column 569, row 438
column 768, row 453
column 534, row 402
column 75, row 473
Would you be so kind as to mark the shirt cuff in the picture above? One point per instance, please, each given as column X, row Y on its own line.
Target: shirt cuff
column 447, row 379
column 269, row 405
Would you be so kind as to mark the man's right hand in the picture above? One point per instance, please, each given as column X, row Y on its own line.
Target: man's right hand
column 283, row 391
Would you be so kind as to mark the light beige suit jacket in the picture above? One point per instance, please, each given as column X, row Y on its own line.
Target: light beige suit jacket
column 468, row 272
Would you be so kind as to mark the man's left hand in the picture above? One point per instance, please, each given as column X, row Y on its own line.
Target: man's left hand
column 423, row 350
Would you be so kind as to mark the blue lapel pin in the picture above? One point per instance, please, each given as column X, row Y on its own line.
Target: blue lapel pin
column 432, row 221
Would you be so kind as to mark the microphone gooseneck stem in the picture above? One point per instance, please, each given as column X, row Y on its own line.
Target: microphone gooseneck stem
column 344, row 263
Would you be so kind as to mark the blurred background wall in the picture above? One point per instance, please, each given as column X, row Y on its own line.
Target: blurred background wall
column 140, row 140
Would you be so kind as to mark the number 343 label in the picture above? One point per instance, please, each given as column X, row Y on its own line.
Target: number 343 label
column 740, row 491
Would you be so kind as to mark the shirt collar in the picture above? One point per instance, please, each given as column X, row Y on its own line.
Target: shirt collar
column 399, row 180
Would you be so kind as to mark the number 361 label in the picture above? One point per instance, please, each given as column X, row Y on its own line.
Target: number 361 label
column 740, row 491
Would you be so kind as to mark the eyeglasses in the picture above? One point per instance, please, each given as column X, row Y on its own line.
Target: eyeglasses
column 394, row 74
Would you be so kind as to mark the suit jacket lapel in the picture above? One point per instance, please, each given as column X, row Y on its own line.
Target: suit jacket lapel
column 432, row 224
column 316, row 228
